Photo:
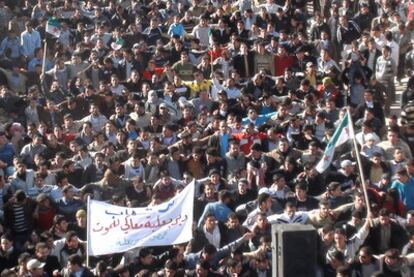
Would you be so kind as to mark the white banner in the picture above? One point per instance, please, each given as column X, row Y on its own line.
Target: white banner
column 114, row 229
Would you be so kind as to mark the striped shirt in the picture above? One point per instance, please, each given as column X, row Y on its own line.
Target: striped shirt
column 20, row 223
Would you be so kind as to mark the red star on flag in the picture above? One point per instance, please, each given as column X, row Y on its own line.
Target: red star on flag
column 346, row 130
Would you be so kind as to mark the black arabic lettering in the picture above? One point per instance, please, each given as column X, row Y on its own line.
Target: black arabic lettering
column 127, row 212
column 97, row 224
column 126, row 226
column 135, row 225
column 148, row 223
column 176, row 220
column 112, row 213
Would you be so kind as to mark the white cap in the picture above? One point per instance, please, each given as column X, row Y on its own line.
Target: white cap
column 346, row 163
column 370, row 136
column 264, row 190
column 34, row 264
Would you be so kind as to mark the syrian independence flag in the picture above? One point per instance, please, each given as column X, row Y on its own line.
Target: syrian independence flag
column 53, row 27
column 118, row 44
column 342, row 134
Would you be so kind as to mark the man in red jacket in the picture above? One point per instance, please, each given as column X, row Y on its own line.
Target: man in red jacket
column 249, row 136
column 282, row 61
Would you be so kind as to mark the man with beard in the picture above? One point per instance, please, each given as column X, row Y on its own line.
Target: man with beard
column 42, row 254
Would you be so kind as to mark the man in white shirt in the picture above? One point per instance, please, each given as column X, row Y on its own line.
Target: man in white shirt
column 95, row 118
column 202, row 32
column 290, row 215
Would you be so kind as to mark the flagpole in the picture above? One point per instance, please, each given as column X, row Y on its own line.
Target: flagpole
column 87, row 230
column 44, row 58
column 361, row 171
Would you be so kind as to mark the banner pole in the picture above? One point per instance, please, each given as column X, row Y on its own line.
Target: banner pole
column 87, row 230
column 44, row 59
column 361, row 172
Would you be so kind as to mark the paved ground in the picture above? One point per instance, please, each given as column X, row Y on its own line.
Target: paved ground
column 395, row 108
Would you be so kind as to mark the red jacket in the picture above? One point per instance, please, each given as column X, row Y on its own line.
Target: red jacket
column 246, row 141
column 281, row 63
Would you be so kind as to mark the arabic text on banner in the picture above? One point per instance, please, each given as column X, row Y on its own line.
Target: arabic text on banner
column 114, row 229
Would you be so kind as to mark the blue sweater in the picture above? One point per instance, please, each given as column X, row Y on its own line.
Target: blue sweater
column 7, row 154
column 406, row 192
column 219, row 209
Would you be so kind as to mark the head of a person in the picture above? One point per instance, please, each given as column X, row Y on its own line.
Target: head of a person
column 145, row 257
column 334, row 189
column 347, row 167
column 410, row 217
column 75, row 262
column 202, row 269
column 208, row 252
column 41, row 251
column 359, row 201
column 386, row 51
column 210, row 222
column 261, row 221
column 340, row 236
column 35, row 267
column 233, row 267
column 68, row 193
column 337, row 259
column 402, row 175
column 225, row 196
column 392, row 257
column 327, row 233
column 264, row 201
column 6, row 243
column 233, row 221
column 324, row 209
column 60, row 223
column 301, row 190
column 384, row 217
column 283, row 145
column 365, row 255
column 72, row 240
column 290, row 208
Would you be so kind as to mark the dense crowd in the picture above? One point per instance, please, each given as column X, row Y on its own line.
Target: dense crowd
column 134, row 100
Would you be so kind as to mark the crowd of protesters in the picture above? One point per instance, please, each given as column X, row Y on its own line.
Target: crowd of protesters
column 134, row 100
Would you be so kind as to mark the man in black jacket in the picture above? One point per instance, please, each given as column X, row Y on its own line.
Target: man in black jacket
column 243, row 61
column 363, row 18
column 42, row 254
column 371, row 54
column 76, row 267
column 369, row 103
column 386, row 234
column 127, row 64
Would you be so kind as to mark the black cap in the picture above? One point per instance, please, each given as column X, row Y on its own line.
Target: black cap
column 333, row 186
column 256, row 147
column 357, row 214
column 213, row 171
column 300, row 49
column 386, row 176
column 20, row 195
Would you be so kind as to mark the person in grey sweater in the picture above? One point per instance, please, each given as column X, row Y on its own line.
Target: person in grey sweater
column 385, row 71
